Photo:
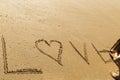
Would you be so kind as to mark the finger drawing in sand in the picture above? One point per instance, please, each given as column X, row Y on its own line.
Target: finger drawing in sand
column 114, row 53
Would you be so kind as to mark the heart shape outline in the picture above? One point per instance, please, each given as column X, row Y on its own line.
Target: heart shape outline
column 60, row 50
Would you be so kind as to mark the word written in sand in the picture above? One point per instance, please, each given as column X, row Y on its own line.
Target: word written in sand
column 58, row 59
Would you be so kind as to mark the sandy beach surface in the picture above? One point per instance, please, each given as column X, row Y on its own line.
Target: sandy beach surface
column 81, row 22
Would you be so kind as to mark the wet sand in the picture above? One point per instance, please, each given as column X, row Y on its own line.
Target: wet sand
column 22, row 22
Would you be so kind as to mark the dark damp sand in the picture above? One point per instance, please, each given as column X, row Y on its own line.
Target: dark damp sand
column 22, row 22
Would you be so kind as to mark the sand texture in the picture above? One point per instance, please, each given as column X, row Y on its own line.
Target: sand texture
column 55, row 39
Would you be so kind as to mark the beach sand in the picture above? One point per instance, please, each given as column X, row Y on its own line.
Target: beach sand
column 23, row 22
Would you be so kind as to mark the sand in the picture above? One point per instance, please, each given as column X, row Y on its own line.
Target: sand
column 22, row 22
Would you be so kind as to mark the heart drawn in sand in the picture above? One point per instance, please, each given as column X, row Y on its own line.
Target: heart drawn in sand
column 60, row 49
